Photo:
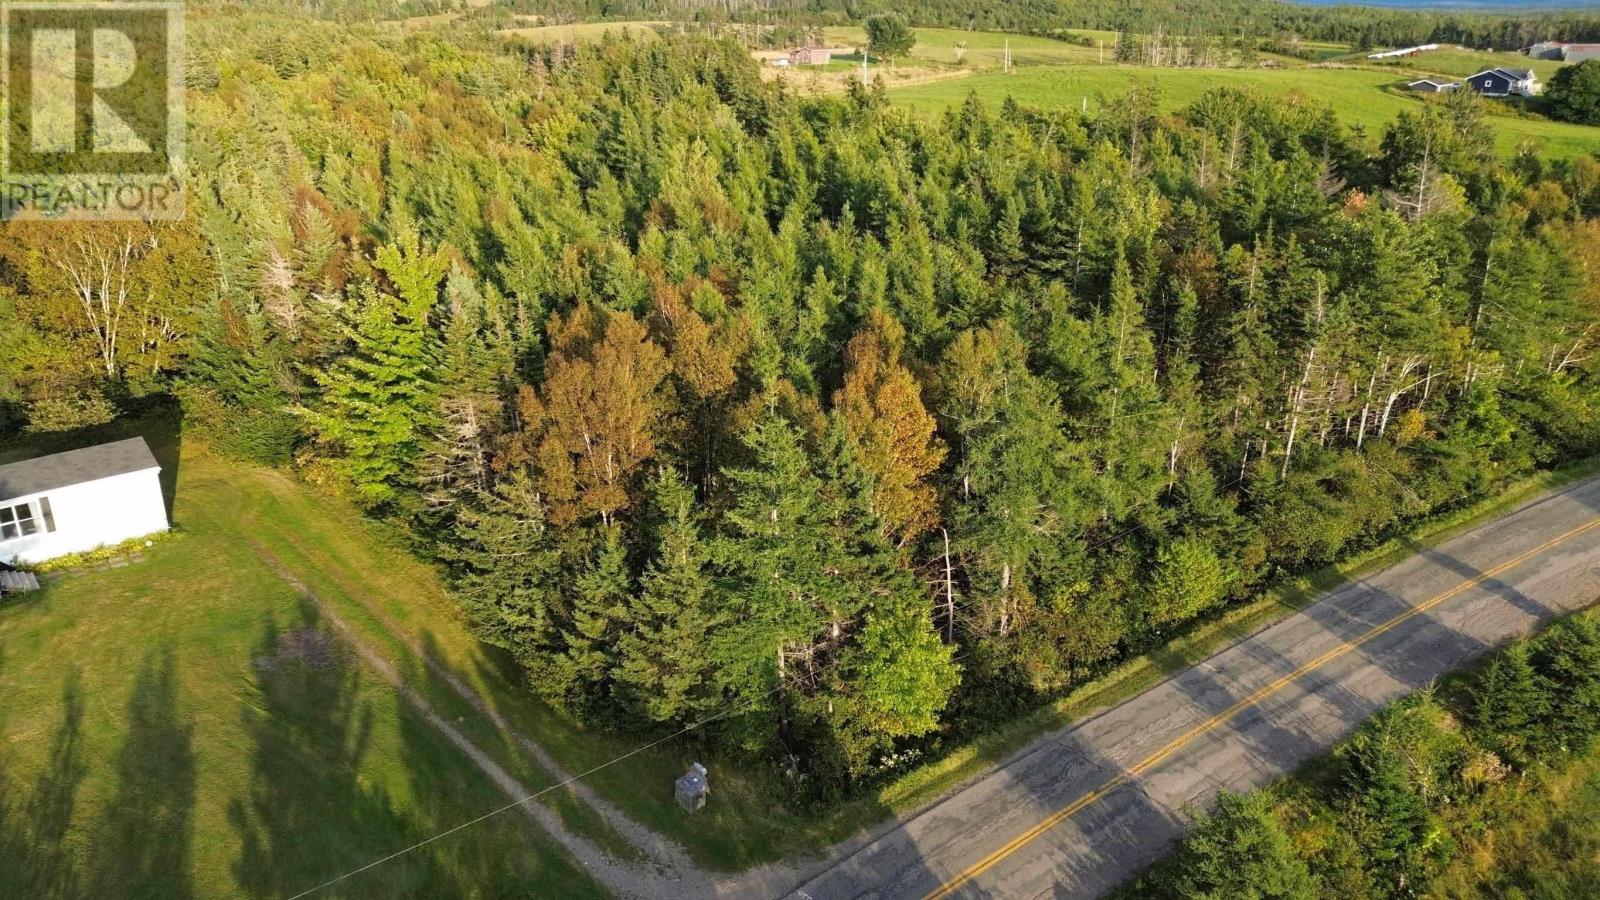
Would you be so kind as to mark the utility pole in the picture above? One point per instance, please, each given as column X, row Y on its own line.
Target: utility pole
column 866, row 50
column 1102, row 51
column 1006, row 66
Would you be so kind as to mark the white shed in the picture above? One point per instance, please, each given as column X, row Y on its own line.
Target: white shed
column 79, row 500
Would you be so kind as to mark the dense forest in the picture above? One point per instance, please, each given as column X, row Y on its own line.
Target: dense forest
column 843, row 430
column 1272, row 21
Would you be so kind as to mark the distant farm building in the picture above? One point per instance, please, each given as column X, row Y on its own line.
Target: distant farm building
column 1572, row 53
column 1546, row 50
column 810, row 56
column 79, row 500
column 1403, row 51
column 1505, row 82
column 1429, row 86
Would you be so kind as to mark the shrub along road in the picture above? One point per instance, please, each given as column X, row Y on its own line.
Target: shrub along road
column 1086, row 807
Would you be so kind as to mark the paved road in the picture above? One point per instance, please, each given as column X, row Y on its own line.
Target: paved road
column 1088, row 806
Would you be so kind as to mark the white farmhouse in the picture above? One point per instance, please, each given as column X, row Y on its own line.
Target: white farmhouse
column 79, row 500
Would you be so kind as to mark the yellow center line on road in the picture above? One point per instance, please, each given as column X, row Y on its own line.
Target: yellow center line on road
column 1061, row 815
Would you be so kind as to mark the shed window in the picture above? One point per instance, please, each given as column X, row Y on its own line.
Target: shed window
column 17, row 521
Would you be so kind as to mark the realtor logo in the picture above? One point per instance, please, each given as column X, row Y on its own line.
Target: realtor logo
column 93, row 110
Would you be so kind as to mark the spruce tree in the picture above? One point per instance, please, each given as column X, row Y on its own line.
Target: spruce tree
column 1509, row 701
column 1020, row 486
column 1124, row 401
column 375, row 397
column 475, row 366
column 1568, row 656
column 664, row 665
column 888, row 675
column 600, row 615
column 1240, row 851
column 776, row 553
column 507, row 570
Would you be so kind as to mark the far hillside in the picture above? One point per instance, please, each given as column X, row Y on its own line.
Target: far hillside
column 984, row 49
column 1364, row 97
column 585, row 32
column 1460, row 62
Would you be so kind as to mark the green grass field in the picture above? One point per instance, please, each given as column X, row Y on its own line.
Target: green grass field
column 1459, row 63
column 1358, row 96
column 183, row 726
column 583, row 32
column 334, row 753
column 1325, row 49
column 984, row 49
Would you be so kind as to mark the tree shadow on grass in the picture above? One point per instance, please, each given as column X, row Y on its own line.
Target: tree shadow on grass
column 448, row 789
column 35, row 859
column 307, row 816
column 51, row 865
column 142, row 843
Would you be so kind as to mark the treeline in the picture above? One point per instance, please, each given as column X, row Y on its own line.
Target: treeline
column 1361, row 26
column 1258, row 23
column 850, row 431
column 1421, row 786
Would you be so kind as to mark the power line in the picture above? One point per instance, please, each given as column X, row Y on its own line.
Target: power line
column 690, row 727
column 537, row 794
column 738, row 707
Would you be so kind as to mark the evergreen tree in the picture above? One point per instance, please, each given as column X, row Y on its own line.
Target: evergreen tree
column 475, row 368
column 1509, row 702
column 1124, row 404
column 1396, row 768
column 1018, row 494
column 507, row 571
column 238, row 382
column 1240, row 851
column 664, row 659
column 600, row 616
column 1568, row 657
column 787, row 602
column 891, row 675
column 375, row 397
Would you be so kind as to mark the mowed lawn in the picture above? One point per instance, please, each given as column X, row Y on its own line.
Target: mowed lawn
column 281, row 774
column 984, row 49
column 1460, row 63
column 187, row 726
column 1358, row 96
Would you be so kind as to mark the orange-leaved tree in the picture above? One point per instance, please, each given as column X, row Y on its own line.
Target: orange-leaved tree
column 597, row 413
column 882, row 406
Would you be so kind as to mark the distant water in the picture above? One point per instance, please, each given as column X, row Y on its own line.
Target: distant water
column 1478, row 5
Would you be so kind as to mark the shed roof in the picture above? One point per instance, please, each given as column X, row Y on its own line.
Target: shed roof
column 1509, row 74
column 46, row 473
